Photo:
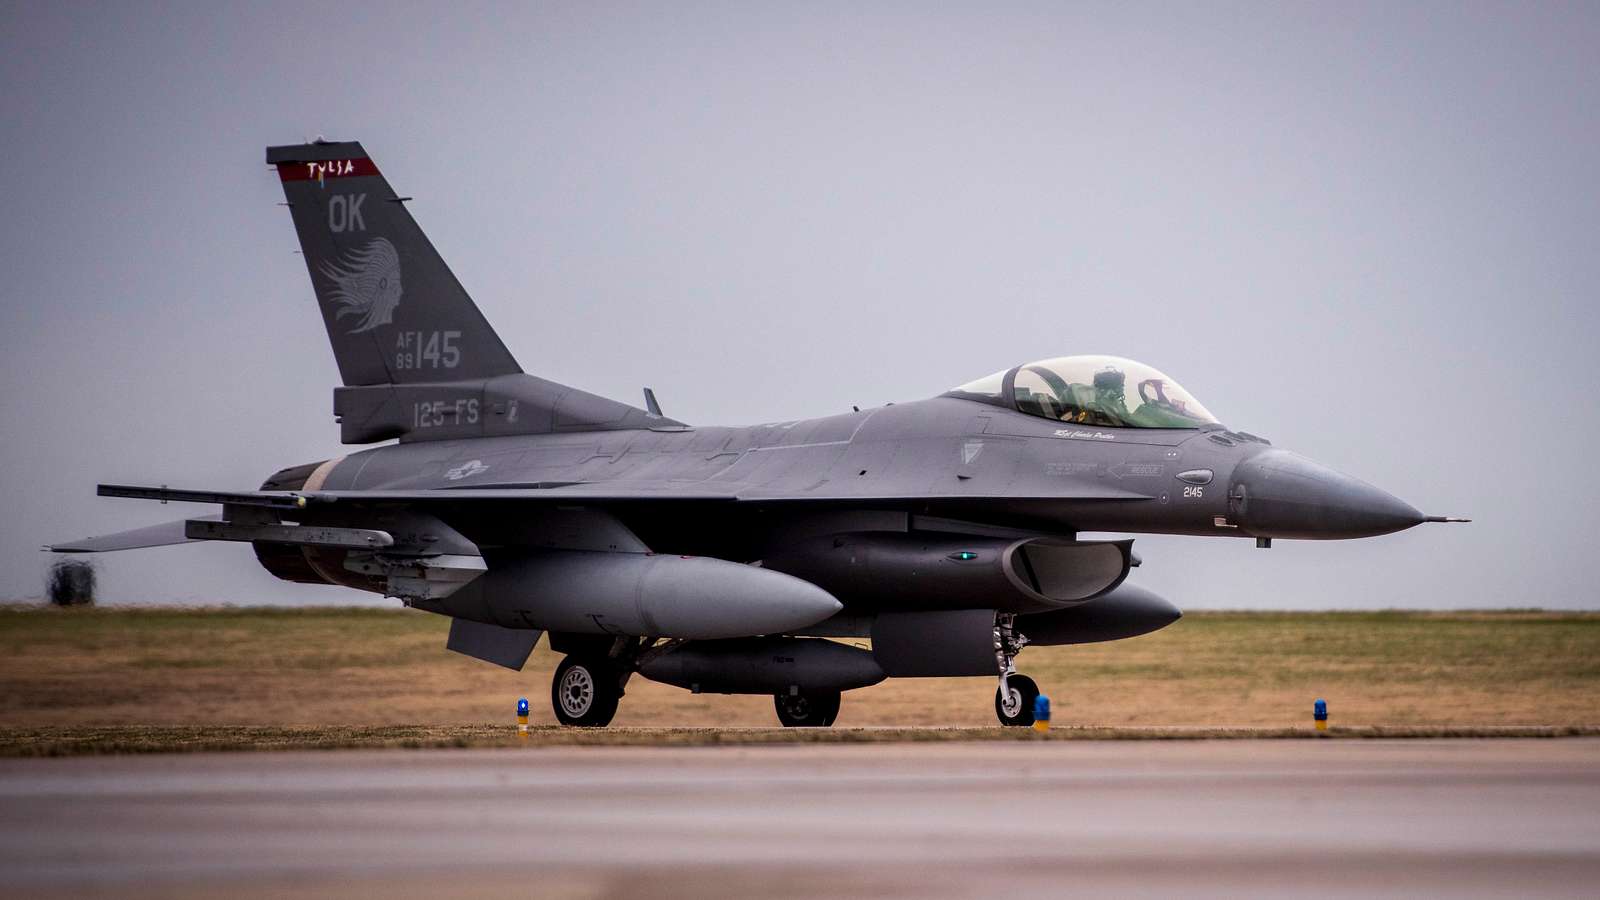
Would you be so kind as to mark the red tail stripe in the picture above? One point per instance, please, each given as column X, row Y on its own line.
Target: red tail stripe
column 327, row 170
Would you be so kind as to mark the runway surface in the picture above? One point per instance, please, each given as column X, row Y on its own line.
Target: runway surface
column 1484, row 817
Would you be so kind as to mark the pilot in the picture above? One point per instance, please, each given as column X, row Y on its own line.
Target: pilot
column 1109, row 397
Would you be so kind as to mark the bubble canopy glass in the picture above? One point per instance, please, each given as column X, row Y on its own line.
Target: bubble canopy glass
column 1104, row 391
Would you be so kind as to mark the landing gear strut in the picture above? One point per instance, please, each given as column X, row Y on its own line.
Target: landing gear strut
column 1013, row 700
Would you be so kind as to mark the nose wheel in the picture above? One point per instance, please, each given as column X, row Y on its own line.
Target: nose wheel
column 1013, row 699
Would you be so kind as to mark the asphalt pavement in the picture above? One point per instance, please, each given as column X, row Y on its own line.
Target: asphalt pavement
column 1294, row 817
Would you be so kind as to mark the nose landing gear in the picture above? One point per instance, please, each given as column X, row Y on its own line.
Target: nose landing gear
column 1013, row 699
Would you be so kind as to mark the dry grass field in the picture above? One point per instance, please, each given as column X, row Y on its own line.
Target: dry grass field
column 374, row 669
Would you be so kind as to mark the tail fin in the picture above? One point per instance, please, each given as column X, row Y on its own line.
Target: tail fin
column 395, row 314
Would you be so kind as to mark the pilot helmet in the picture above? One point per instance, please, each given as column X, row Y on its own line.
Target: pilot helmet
column 1109, row 379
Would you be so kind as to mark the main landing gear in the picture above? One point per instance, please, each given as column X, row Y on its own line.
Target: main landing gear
column 1013, row 700
column 586, row 690
column 591, row 680
column 813, row 710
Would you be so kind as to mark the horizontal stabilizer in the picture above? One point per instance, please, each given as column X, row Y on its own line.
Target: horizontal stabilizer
column 175, row 495
column 163, row 535
column 509, row 647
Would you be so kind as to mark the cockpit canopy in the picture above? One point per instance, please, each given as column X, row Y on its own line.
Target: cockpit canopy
column 1104, row 391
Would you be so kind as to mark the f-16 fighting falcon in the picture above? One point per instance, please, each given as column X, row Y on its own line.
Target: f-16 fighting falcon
column 722, row 559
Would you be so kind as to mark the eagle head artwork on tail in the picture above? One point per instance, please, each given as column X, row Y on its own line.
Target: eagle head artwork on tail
column 366, row 284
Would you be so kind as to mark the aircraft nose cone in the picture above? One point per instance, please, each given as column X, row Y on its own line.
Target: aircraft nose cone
column 1289, row 496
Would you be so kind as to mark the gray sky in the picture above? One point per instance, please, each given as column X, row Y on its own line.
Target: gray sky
column 1367, row 233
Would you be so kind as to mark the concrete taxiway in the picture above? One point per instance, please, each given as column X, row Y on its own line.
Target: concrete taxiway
column 1472, row 817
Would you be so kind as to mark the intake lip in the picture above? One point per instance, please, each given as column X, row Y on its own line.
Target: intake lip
column 1281, row 494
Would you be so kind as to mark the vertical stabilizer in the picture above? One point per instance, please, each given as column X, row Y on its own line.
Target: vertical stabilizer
column 394, row 312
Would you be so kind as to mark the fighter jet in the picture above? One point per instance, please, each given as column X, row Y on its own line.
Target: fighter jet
column 945, row 530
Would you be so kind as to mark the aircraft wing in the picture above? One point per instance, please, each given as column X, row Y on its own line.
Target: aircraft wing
column 588, row 491
column 278, row 502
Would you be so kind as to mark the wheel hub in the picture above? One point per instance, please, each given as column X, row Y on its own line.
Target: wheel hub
column 1012, row 703
column 577, row 691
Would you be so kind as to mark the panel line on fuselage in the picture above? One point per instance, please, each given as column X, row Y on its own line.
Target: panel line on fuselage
column 845, row 443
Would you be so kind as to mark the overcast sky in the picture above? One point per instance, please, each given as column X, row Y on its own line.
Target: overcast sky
column 1367, row 233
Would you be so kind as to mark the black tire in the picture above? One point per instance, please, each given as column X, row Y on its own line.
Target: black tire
column 817, row 710
column 584, row 692
column 1023, row 693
